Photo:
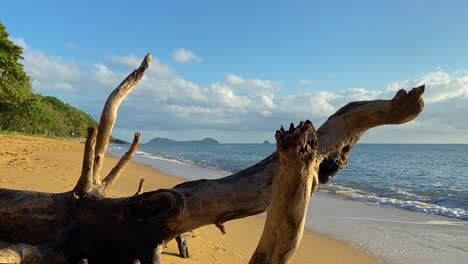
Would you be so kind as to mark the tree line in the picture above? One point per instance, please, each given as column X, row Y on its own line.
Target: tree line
column 22, row 110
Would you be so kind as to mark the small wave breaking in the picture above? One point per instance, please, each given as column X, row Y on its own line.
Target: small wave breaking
column 446, row 223
column 156, row 157
column 411, row 205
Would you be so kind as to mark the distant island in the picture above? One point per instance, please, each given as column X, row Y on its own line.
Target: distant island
column 114, row 140
column 167, row 141
column 205, row 141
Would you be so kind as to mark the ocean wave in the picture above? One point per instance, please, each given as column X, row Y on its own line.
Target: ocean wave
column 179, row 161
column 446, row 223
column 111, row 146
column 411, row 205
column 408, row 194
column 206, row 165
column 156, row 157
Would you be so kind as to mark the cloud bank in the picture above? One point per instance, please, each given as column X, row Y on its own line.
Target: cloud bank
column 237, row 108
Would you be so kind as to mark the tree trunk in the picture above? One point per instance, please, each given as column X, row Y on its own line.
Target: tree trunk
column 88, row 225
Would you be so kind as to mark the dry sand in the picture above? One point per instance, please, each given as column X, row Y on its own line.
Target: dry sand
column 49, row 165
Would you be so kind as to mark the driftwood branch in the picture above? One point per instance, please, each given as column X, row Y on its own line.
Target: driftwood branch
column 94, row 227
column 114, row 174
column 109, row 112
column 86, row 181
column 340, row 133
column 140, row 187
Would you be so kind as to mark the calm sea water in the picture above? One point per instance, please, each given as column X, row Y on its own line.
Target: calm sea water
column 424, row 178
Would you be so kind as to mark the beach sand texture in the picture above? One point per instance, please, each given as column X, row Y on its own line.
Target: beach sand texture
column 41, row 164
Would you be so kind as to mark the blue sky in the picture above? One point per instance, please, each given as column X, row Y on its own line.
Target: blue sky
column 237, row 70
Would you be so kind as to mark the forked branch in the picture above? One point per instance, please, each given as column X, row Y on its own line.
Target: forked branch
column 97, row 142
column 109, row 112
column 114, row 174
column 86, row 181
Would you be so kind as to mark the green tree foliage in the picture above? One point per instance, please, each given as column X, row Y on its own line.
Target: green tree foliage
column 75, row 121
column 44, row 115
column 28, row 117
column 15, row 84
column 26, row 112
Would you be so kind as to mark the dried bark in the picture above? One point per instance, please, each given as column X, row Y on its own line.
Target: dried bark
column 88, row 225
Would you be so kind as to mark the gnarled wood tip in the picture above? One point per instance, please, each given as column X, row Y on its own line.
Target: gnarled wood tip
column 415, row 92
column 407, row 105
column 136, row 137
column 293, row 129
column 146, row 62
column 303, row 126
column 299, row 140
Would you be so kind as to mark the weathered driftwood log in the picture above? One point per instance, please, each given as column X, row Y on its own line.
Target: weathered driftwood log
column 85, row 224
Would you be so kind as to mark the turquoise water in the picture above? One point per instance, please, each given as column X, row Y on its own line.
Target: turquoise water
column 424, row 178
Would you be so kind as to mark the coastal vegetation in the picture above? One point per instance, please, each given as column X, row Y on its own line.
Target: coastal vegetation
column 22, row 110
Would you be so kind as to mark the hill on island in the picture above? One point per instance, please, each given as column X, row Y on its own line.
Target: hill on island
column 167, row 141
column 114, row 140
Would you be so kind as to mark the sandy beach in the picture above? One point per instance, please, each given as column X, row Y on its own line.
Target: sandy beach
column 40, row 164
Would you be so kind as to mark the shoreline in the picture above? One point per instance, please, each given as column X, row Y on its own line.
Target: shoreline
column 51, row 165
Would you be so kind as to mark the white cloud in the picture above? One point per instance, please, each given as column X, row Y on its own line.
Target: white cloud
column 237, row 81
column 309, row 104
column 132, row 62
column 268, row 101
column 184, row 56
column 49, row 72
column 362, row 94
column 442, row 85
column 103, row 75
